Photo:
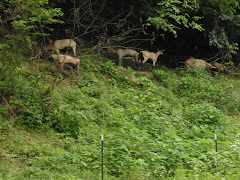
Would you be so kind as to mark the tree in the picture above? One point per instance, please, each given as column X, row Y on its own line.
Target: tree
column 22, row 21
column 171, row 15
column 214, row 17
column 221, row 21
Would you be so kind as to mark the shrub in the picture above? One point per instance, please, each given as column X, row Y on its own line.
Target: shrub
column 203, row 113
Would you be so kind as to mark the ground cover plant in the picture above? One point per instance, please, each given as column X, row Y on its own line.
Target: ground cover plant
column 158, row 125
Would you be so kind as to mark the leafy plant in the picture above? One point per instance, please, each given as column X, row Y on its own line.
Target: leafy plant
column 171, row 14
column 202, row 114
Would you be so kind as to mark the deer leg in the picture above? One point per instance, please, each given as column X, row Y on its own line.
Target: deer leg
column 74, row 51
column 144, row 60
column 120, row 61
column 154, row 63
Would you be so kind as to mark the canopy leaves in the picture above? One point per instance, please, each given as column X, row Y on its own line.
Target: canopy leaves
column 172, row 14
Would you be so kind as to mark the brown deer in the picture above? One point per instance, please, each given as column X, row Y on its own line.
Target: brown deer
column 198, row 63
column 146, row 55
column 123, row 53
column 61, row 44
column 66, row 59
column 220, row 68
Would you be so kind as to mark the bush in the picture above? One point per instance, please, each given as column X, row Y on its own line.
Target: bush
column 202, row 113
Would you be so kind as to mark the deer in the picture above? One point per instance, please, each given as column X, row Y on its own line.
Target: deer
column 123, row 53
column 66, row 59
column 61, row 44
column 220, row 68
column 146, row 55
column 199, row 64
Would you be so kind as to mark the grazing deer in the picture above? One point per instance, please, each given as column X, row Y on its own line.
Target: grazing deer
column 66, row 59
column 123, row 53
column 61, row 44
column 198, row 63
column 220, row 68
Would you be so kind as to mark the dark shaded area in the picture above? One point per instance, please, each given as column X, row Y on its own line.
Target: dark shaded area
column 118, row 23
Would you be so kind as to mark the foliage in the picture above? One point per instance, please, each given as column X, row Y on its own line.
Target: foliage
column 29, row 98
column 174, row 13
column 23, row 21
column 221, row 17
column 156, row 125
column 218, row 19
column 162, row 126
column 31, row 16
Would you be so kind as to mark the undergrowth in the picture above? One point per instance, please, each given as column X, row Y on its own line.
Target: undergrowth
column 162, row 126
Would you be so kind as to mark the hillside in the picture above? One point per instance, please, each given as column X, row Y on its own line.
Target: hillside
column 155, row 125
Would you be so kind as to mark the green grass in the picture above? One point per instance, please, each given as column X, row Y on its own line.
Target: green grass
column 156, row 125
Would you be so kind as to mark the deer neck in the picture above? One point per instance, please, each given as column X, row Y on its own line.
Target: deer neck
column 158, row 53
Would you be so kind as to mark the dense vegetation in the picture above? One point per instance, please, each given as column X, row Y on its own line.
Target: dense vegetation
column 156, row 125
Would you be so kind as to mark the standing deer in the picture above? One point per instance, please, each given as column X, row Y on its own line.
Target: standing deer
column 123, row 53
column 61, row 44
column 146, row 55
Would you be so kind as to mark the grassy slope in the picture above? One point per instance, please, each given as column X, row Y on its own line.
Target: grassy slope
column 160, row 124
